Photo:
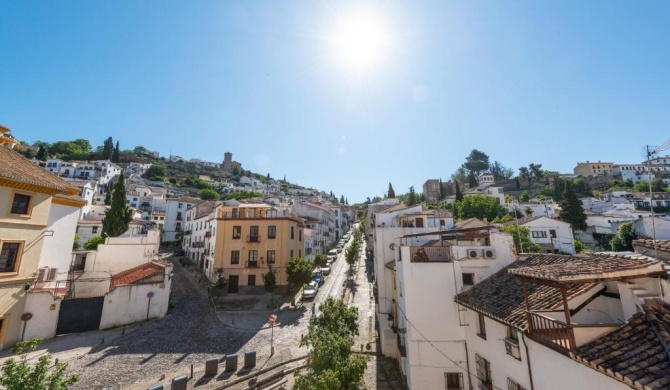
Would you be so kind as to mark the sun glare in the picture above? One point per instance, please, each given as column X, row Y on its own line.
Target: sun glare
column 360, row 42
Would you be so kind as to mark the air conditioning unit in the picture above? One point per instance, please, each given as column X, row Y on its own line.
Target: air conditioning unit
column 489, row 253
column 46, row 274
column 473, row 253
column 512, row 348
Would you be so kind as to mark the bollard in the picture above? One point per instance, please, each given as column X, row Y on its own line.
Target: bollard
column 211, row 367
column 156, row 387
column 179, row 383
column 191, row 370
column 250, row 359
column 231, row 363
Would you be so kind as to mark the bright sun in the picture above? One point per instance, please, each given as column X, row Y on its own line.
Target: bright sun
column 360, row 42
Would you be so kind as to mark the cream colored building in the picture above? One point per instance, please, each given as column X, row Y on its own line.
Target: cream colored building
column 594, row 168
column 26, row 196
column 249, row 238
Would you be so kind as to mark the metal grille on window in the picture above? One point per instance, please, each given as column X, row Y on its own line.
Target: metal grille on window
column 483, row 373
column 453, row 380
column 511, row 385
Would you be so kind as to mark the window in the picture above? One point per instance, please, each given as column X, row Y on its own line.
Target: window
column 253, row 233
column 252, row 280
column 483, row 373
column 21, row 204
column 94, row 230
column 235, row 257
column 9, row 256
column 552, row 233
column 453, row 380
column 539, row 234
column 291, row 254
column 512, row 334
column 292, row 233
column 468, row 279
column 253, row 257
column 272, row 231
column 179, row 205
column 511, row 385
column 481, row 326
column 271, row 257
column 299, row 235
column 237, row 232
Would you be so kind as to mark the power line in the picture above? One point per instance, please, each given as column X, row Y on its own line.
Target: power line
column 440, row 351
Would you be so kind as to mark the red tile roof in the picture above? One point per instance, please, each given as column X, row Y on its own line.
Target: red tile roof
column 136, row 274
column 638, row 353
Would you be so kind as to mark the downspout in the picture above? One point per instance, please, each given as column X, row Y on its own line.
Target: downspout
column 467, row 366
column 530, row 372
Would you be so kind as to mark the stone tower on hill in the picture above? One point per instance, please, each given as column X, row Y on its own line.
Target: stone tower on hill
column 229, row 165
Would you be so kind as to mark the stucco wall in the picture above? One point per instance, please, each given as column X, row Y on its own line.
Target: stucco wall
column 128, row 304
column 57, row 247
column 44, row 307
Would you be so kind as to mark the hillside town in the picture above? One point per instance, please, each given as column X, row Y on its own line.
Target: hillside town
column 532, row 294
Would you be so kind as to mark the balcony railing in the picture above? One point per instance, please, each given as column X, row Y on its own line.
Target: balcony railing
column 187, row 232
column 430, row 254
column 252, row 264
column 253, row 238
column 208, row 234
column 551, row 330
column 179, row 218
column 198, row 244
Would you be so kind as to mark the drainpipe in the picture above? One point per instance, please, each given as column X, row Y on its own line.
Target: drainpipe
column 467, row 366
column 530, row 372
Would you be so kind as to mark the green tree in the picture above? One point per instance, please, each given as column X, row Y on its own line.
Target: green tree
column 476, row 162
column 41, row 153
column 525, row 197
column 108, row 198
column 535, row 171
column 342, row 199
column 412, row 197
column 155, row 172
column 336, row 317
column 478, row 206
column 572, row 211
column 140, row 151
column 92, row 243
column 172, row 181
column 270, row 279
column 579, row 246
column 472, row 180
column 299, row 271
column 524, row 175
column 623, row 241
column 115, row 153
column 208, row 194
column 657, row 185
column 107, row 149
column 391, row 192
column 459, row 194
column 528, row 211
column 521, row 236
column 320, row 260
column 441, row 190
column 75, row 243
column 19, row 375
column 118, row 217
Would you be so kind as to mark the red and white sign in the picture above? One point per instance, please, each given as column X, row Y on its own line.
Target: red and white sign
column 273, row 318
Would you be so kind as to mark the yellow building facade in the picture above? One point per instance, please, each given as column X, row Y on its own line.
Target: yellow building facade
column 26, row 194
column 252, row 237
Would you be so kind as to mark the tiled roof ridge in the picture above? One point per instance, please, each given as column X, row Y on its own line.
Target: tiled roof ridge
column 651, row 309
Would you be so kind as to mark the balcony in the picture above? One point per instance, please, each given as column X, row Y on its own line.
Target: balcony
column 562, row 336
column 208, row 234
column 179, row 218
column 198, row 244
column 255, row 238
column 187, row 232
column 430, row 254
column 251, row 264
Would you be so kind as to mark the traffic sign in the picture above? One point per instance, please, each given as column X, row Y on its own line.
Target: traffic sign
column 273, row 318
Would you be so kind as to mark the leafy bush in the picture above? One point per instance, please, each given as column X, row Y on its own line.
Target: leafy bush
column 93, row 242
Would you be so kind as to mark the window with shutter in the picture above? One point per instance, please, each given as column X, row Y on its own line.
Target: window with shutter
column 52, row 274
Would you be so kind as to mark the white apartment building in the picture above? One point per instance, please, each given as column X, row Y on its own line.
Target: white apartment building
column 385, row 226
column 566, row 322
column 175, row 217
column 199, row 229
column 553, row 235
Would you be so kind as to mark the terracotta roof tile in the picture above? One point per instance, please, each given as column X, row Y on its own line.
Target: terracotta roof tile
column 637, row 353
column 136, row 274
column 598, row 267
column 500, row 296
column 15, row 167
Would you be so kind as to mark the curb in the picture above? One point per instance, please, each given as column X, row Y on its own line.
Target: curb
column 259, row 372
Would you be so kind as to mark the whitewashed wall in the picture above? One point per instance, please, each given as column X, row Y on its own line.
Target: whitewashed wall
column 128, row 304
column 44, row 307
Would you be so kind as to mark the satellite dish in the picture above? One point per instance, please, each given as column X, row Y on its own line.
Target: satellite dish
column 392, row 246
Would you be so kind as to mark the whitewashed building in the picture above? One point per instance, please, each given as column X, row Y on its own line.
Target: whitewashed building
column 175, row 217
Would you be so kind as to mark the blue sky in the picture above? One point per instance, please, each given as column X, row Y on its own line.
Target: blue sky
column 524, row 81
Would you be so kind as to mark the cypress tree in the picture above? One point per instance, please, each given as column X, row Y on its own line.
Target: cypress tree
column 572, row 211
column 441, row 190
column 459, row 194
column 391, row 193
column 342, row 199
column 107, row 148
column 412, row 197
column 108, row 198
column 118, row 217
column 115, row 153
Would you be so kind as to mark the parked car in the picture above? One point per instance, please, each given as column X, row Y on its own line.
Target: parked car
column 332, row 252
column 325, row 269
column 310, row 290
column 339, row 249
column 318, row 277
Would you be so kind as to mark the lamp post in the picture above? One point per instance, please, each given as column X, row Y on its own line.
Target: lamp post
column 273, row 318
